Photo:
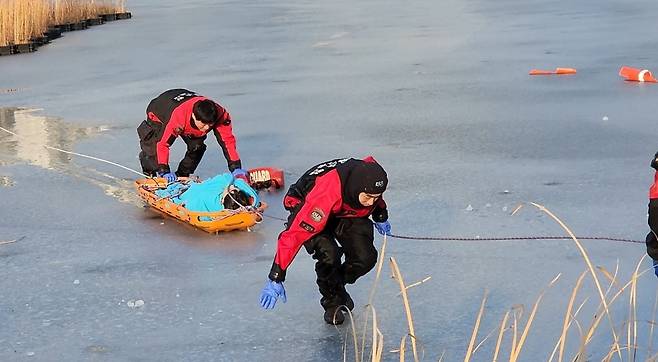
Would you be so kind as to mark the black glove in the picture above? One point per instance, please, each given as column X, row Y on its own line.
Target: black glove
column 654, row 162
column 232, row 165
column 379, row 215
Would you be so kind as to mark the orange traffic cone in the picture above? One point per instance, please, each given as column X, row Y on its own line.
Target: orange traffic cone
column 636, row 75
column 551, row 72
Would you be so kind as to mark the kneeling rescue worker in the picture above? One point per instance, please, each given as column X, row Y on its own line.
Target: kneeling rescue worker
column 330, row 205
column 180, row 112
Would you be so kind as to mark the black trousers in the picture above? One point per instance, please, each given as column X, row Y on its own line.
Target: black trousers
column 651, row 240
column 355, row 236
column 150, row 133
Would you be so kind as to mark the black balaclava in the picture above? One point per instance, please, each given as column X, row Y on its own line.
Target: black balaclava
column 368, row 177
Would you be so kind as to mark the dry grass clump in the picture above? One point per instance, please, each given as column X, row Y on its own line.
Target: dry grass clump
column 513, row 331
column 63, row 12
column 4, row 23
column 73, row 11
column 22, row 20
column 110, row 6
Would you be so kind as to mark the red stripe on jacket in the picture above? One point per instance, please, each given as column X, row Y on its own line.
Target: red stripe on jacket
column 653, row 191
column 325, row 200
column 180, row 125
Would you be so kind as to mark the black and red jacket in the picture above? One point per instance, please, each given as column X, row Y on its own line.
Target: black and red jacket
column 173, row 109
column 652, row 241
column 318, row 195
column 653, row 190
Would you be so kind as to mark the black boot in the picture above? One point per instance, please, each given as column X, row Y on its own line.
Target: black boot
column 334, row 315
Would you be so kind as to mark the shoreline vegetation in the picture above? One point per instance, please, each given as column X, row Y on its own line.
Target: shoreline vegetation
column 24, row 22
column 601, row 311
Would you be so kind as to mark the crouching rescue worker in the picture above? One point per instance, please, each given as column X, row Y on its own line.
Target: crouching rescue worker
column 652, row 239
column 329, row 207
column 185, row 114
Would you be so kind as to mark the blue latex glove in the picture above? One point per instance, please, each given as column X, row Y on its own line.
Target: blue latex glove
column 271, row 293
column 169, row 176
column 240, row 173
column 655, row 267
column 384, row 228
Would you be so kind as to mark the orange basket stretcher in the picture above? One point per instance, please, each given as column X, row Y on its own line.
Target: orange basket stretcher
column 212, row 222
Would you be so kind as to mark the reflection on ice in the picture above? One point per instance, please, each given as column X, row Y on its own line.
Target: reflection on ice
column 33, row 131
column 30, row 137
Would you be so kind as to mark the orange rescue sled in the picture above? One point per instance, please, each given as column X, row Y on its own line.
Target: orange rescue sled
column 212, row 222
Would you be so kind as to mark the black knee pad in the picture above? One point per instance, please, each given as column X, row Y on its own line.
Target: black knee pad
column 324, row 249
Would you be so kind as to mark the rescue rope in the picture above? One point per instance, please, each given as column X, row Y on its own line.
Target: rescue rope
column 501, row 238
column 247, row 208
column 180, row 191
column 275, row 217
column 241, row 207
column 405, row 237
column 85, row 156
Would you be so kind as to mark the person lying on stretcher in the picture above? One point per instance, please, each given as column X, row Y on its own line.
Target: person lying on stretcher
column 222, row 192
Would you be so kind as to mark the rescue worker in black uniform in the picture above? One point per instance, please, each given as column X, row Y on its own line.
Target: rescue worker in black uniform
column 330, row 205
column 183, row 113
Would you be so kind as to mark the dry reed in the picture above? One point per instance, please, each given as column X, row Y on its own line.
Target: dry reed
column 531, row 317
column 471, row 344
column 591, row 269
column 653, row 318
column 410, row 323
column 369, row 306
column 111, row 6
column 22, row 20
column 568, row 316
column 500, row 336
column 512, row 318
column 484, row 340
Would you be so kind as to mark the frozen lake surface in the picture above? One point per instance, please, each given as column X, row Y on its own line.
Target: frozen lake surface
column 438, row 92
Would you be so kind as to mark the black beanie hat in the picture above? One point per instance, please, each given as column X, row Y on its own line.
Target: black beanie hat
column 375, row 179
column 368, row 177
